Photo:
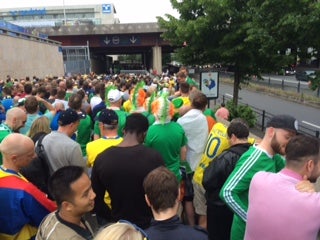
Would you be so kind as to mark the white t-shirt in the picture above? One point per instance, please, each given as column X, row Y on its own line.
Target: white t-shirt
column 195, row 125
column 95, row 100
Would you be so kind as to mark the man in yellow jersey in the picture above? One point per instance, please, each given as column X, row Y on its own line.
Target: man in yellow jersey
column 108, row 124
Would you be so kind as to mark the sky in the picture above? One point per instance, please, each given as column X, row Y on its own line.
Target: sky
column 128, row 11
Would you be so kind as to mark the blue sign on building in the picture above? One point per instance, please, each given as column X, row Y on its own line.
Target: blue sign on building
column 106, row 8
column 29, row 12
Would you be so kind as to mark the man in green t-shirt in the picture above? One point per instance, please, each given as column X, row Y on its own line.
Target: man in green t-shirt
column 188, row 79
column 84, row 129
column 167, row 137
column 15, row 119
column 266, row 156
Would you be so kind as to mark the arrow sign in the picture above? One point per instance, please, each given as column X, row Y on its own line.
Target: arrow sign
column 107, row 40
column 133, row 40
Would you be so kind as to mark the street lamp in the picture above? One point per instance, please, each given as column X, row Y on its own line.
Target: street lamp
column 64, row 14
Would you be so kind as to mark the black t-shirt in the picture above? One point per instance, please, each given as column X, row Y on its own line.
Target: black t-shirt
column 121, row 171
column 173, row 229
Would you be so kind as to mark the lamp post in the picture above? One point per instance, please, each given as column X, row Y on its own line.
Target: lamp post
column 64, row 14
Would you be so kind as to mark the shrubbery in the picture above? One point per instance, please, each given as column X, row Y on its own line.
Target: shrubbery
column 242, row 111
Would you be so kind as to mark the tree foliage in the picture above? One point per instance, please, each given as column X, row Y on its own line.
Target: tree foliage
column 314, row 82
column 251, row 35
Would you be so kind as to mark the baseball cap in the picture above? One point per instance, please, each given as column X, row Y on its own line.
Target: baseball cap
column 69, row 116
column 286, row 122
column 108, row 116
column 114, row 95
column 20, row 102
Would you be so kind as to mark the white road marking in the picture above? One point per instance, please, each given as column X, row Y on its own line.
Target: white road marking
column 311, row 124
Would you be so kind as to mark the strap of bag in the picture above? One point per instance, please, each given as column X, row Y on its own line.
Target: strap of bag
column 40, row 151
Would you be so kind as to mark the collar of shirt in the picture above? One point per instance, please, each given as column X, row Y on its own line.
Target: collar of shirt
column 290, row 173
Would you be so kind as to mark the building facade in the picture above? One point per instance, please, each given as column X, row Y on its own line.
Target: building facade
column 61, row 15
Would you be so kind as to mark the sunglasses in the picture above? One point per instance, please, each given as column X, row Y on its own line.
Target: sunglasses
column 145, row 235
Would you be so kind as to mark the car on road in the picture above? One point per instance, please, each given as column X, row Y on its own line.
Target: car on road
column 286, row 71
column 305, row 75
column 289, row 71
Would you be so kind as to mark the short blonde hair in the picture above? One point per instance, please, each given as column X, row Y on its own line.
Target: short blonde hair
column 120, row 231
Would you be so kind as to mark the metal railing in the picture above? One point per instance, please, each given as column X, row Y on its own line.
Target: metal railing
column 11, row 33
column 263, row 117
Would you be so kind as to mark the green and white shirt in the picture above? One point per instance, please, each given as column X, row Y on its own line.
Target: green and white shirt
column 236, row 188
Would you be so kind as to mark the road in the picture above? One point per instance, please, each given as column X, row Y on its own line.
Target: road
column 286, row 83
column 307, row 116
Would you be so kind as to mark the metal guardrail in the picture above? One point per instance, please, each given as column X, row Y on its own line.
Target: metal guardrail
column 285, row 83
column 263, row 117
column 11, row 33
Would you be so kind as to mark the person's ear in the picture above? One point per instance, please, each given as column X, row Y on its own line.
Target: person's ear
column 67, row 206
column 147, row 200
column 310, row 166
column 100, row 126
column 141, row 136
column 14, row 121
column 179, row 195
column 232, row 138
column 271, row 132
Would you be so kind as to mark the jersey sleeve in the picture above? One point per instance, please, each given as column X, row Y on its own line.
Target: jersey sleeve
column 280, row 162
column 235, row 190
column 90, row 155
column 96, row 129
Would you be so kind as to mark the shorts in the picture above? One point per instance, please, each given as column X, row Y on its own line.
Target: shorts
column 186, row 191
column 199, row 200
column 186, row 184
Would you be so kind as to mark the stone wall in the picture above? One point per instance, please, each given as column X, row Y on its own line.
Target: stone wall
column 21, row 57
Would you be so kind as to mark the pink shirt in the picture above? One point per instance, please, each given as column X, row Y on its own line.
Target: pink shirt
column 278, row 211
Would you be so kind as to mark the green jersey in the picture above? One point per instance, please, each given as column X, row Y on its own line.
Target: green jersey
column 151, row 118
column 68, row 95
column 5, row 130
column 191, row 82
column 84, row 133
column 167, row 139
column 236, row 188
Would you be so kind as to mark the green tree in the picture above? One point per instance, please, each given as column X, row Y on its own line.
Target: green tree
column 314, row 82
column 252, row 36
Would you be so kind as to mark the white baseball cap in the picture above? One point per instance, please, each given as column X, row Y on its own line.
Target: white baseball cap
column 114, row 95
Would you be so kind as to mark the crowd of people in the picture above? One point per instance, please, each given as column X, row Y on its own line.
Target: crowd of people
column 130, row 157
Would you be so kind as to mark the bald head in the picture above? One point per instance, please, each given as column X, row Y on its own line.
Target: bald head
column 59, row 106
column 62, row 85
column 17, row 151
column 14, row 112
column 16, row 118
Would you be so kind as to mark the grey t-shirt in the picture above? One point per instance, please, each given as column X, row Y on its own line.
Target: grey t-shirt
column 62, row 151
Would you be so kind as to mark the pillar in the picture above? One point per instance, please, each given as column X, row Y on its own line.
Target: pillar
column 157, row 59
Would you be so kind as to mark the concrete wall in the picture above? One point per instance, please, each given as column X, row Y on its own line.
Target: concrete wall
column 21, row 57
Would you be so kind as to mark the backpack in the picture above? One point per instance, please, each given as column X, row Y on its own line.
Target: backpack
column 37, row 172
column 211, row 179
